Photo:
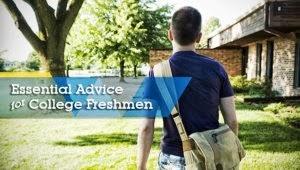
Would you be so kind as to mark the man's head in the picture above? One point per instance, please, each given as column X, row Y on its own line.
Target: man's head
column 186, row 26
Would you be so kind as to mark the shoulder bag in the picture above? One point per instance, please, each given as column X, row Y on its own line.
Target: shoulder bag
column 214, row 149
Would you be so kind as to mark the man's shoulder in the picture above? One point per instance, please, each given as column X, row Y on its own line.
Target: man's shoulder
column 190, row 60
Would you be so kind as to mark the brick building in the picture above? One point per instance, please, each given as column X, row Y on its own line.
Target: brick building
column 269, row 37
column 230, row 58
column 264, row 44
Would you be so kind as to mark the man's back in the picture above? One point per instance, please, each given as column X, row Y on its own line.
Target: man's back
column 208, row 89
column 199, row 102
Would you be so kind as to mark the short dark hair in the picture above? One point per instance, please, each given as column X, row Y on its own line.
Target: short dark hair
column 186, row 25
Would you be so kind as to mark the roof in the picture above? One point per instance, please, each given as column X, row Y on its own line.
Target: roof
column 243, row 16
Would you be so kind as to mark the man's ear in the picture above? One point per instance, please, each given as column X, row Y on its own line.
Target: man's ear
column 170, row 35
column 198, row 37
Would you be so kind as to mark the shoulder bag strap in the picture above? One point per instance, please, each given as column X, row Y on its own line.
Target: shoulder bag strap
column 163, row 69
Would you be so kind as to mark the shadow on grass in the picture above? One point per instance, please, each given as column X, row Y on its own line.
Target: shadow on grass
column 271, row 137
column 111, row 139
column 263, row 136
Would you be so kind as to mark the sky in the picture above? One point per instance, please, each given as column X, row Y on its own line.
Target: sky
column 17, row 48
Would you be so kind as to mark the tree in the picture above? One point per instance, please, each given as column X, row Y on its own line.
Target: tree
column 155, row 22
column 33, row 62
column 211, row 25
column 1, row 64
column 54, row 26
column 2, row 60
column 118, row 31
column 135, row 62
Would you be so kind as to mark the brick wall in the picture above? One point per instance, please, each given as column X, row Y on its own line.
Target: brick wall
column 230, row 58
column 284, row 65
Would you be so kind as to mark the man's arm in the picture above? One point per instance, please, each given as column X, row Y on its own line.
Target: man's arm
column 228, row 111
column 145, row 138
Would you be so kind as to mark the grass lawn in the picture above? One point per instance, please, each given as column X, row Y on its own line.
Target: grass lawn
column 111, row 143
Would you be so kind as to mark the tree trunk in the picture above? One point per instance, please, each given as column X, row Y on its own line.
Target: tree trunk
column 56, row 63
column 135, row 70
column 55, row 54
column 57, row 67
column 53, row 28
column 68, row 70
column 122, row 71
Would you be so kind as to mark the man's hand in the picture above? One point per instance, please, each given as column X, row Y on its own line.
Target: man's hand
column 145, row 138
column 228, row 111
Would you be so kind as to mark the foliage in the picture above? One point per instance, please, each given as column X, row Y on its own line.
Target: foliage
column 1, row 64
column 274, row 107
column 129, row 72
column 287, row 112
column 20, row 66
column 211, row 25
column 33, row 62
column 2, row 61
column 291, row 115
column 252, row 87
column 240, row 84
column 110, row 32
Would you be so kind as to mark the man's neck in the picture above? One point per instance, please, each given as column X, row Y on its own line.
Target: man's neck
column 177, row 47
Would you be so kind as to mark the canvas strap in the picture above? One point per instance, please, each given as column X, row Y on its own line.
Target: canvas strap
column 163, row 70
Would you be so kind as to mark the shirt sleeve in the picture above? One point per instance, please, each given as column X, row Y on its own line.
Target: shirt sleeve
column 226, row 88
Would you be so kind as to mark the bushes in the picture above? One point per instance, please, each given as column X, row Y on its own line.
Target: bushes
column 274, row 107
column 240, row 84
column 288, row 113
column 1, row 64
column 252, row 87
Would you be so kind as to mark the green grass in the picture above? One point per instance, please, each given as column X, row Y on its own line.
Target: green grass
column 111, row 143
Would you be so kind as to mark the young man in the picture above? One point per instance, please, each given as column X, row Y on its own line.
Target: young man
column 208, row 89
